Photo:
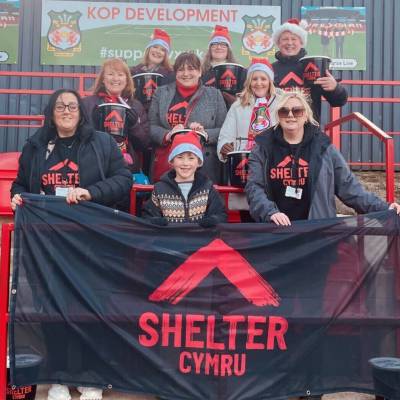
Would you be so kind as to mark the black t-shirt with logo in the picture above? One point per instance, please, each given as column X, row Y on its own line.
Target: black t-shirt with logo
column 288, row 176
column 177, row 109
column 61, row 167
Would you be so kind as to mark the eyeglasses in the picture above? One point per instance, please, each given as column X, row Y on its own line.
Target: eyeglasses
column 72, row 107
column 296, row 112
column 219, row 44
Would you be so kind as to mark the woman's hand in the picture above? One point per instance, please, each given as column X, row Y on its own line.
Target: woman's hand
column 226, row 148
column 396, row 207
column 280, row 219
column 78, row 194
column 328, row 82
column 16, row 201
column 176, row 128
column 196, row 126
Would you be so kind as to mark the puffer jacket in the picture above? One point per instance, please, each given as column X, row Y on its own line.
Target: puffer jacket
column 102, row 169
column 329, row 175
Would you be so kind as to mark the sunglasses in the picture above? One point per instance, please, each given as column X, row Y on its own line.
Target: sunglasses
column 296, row 112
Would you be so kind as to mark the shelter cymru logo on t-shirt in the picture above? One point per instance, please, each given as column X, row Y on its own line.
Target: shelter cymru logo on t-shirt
column 222, row 355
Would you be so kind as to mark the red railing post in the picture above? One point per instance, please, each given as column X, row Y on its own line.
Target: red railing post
column 389, row 170
column 335, row 130
column 6, row 230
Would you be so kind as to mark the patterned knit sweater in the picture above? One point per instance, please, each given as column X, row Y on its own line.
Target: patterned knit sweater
column 168, row 201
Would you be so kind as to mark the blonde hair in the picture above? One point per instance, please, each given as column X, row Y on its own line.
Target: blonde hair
column 283, row 99
column 206, row 64
column 165, row 63
column 247, row 96
column 119, row 65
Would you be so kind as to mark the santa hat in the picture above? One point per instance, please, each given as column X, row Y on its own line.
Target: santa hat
column 160, row 38
column 261, row 64
column 221, row 35
column 186, row 142
column 292, row 25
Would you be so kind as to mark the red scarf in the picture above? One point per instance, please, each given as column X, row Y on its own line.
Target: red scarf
column 186, row 91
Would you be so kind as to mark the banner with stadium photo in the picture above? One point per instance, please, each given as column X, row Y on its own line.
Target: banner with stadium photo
column 238, row 311
column 339, row 33
column 86, row 33
column 9, row 27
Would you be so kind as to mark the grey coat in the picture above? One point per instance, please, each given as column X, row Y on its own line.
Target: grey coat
column 209, row 110
column 329, row 175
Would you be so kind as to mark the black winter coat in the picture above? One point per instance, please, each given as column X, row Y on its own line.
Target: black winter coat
column 102, row 169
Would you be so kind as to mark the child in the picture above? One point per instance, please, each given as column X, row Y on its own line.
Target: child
column 184, row 194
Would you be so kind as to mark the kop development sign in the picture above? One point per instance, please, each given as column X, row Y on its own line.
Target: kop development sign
column 87, row 33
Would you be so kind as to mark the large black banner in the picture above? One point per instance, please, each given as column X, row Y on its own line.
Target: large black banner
column 240, row 311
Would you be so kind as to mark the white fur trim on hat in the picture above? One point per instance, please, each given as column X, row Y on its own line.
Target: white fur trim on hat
column 158, row 42
column 220, row 39
column 298, row 30
column 183, row 148
column 261, row 67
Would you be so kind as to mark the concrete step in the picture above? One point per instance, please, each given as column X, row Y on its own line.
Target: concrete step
column 41, row 394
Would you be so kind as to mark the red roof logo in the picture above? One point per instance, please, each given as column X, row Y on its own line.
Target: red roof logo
column 235, row 268
column 311, row 67
column 291, row 76
column 228, row 74
column 114, row 116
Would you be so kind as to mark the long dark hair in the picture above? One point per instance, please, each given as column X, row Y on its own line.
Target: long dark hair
column 49, row 109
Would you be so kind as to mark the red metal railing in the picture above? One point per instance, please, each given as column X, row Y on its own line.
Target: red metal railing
column 81, row 77
column 335, row 135
column 24, row 118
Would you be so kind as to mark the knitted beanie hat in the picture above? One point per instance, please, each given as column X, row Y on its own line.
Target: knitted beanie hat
column 186, row 142
column 160, row 38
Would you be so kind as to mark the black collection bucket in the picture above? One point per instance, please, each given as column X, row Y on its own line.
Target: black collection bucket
column 386, row 375
column 112, row 118
column 238, row 168
column 230, row 77
column 26, row 365
column 145, row 85
column 314, row 67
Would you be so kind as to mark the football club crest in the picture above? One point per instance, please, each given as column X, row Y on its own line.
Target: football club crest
column 257, row 36
column 64, row 32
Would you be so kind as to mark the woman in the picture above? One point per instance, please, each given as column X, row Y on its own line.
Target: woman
column 219, row 51
column 156, row 58
column 186, row 103
column 68, row 158
column 114, row 85
column 295, row 172
column 252, row 113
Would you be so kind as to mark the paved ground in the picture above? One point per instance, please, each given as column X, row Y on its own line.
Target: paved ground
column 111, row 395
